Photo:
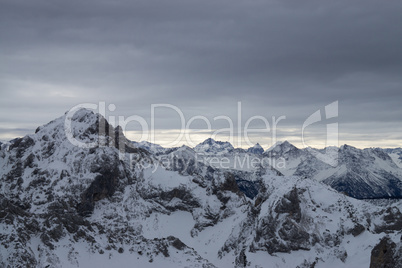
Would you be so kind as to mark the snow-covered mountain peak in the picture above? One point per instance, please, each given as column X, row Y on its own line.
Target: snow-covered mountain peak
column 77, row 129
column 283, row 149
column 84, row 116
column 210, row 146
column 282, row 146
column 212, row 142
column 347, row 147
column 80, row 128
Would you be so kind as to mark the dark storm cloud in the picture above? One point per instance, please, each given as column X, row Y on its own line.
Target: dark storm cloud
column 276, row 57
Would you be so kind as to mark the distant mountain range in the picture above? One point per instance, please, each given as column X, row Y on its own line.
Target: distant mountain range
column 360, row 173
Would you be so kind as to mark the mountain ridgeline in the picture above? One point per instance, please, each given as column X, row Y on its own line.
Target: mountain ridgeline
column 123, row 203
column 370, row 173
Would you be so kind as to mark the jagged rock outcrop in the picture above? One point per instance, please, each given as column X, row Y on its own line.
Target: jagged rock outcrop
column 386, row 254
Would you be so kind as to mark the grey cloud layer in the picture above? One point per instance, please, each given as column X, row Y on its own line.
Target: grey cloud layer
column 277, row 57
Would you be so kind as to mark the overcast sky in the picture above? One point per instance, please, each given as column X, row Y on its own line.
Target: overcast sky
column 278, row 58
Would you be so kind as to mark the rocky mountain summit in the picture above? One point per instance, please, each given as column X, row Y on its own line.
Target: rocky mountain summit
column 100, row 200
column 256, row 149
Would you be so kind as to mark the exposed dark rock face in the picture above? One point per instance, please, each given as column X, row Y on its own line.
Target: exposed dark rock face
column 283, row 234
column 21, row 145
column 249, row 188
column 290, row 204
column 176, row 243
column 291, row 236
column 392, row 221
column 102, row 187
column 9, row 210
column 188, row 201
column 223, row 190
column 230, row 184
column 241, row 259
column 12, row 213
column 357, row 229
column 297, row 237
column 386, row 254
column 354, row 183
